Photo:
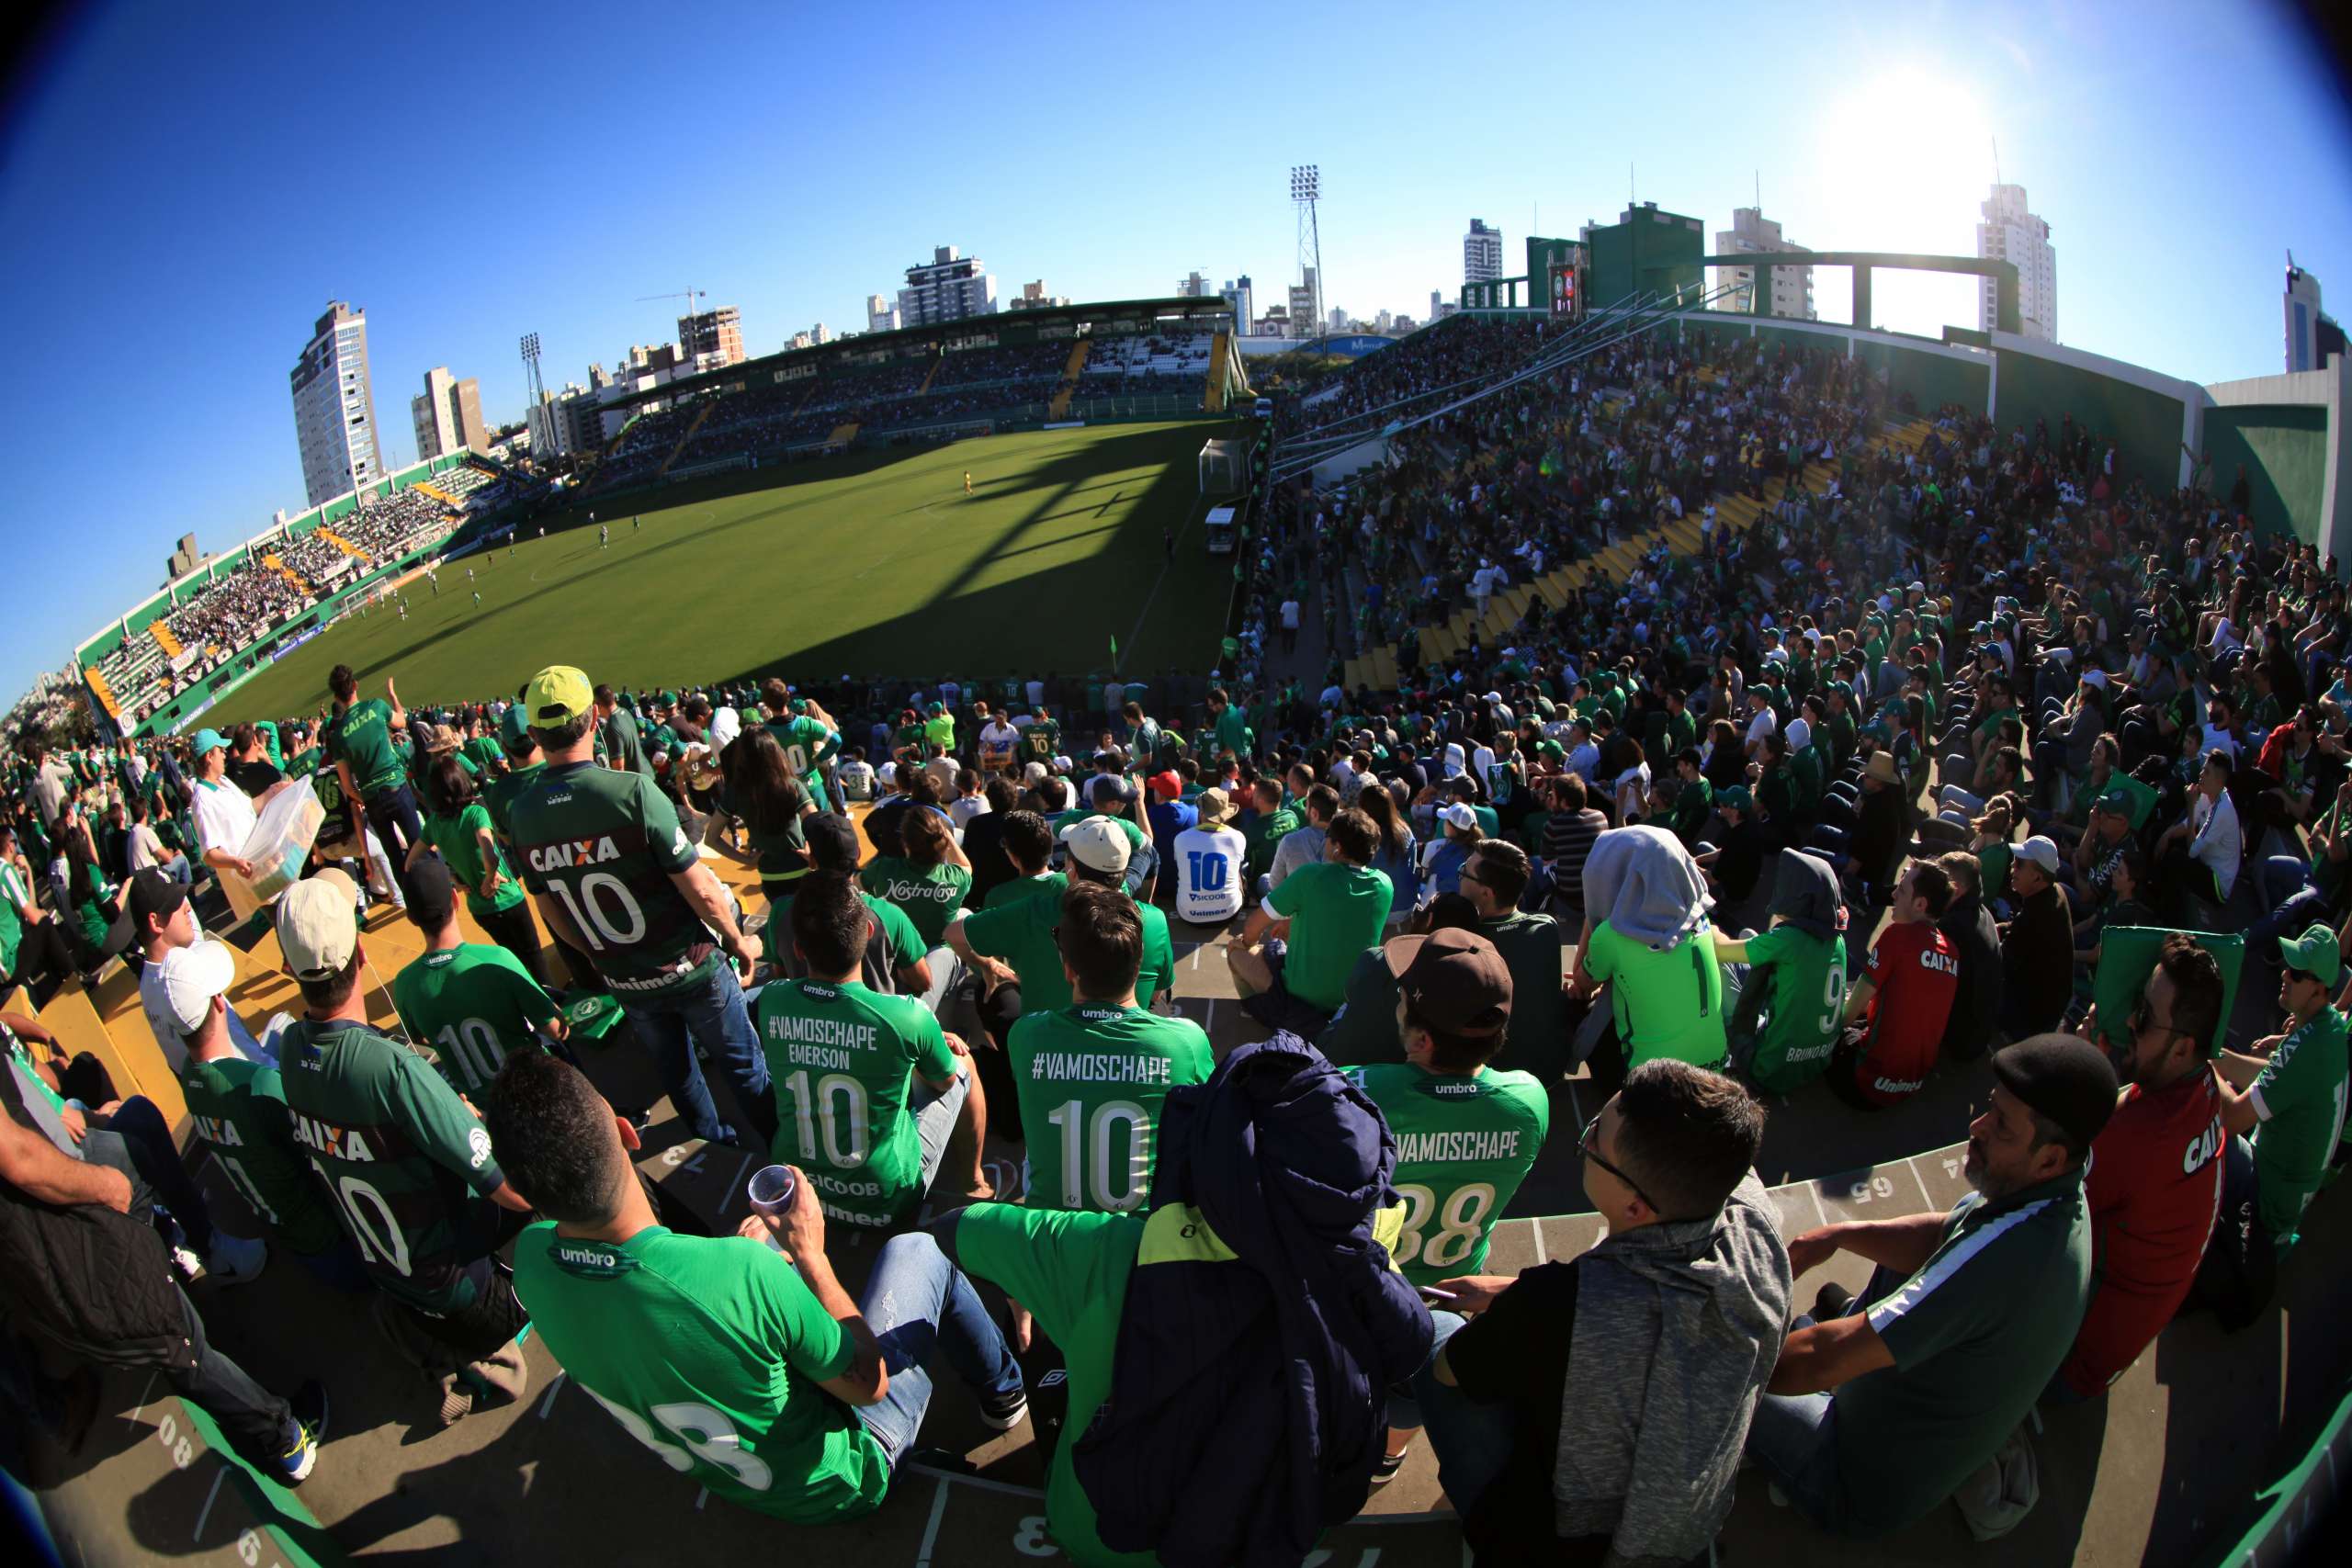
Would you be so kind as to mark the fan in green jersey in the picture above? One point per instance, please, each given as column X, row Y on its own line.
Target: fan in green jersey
column 743, row 1365
column 471, row 1004
column 1467, row 1135
column 870, row 1091
column 807, row 734
column 410, row 1169
column 1092, row 1076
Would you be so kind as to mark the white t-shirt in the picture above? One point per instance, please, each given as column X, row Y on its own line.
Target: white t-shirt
column 2218, row 845
column 146, row 849
column 1208, row 871
column 997, row 740
column 158, row 1009
column 225, row 818
column 964, row 808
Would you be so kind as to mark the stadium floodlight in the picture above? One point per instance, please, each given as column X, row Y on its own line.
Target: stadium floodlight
column 1306, row 182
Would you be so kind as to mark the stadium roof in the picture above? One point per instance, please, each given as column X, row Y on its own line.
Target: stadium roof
column 1006, row 326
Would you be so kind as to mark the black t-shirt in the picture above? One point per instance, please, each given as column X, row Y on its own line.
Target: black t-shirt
column 1516, row 1355
column 1745, row 849
column 254, row 776
column 984, row 847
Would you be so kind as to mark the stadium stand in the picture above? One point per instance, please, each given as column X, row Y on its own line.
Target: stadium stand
column 1624, row 581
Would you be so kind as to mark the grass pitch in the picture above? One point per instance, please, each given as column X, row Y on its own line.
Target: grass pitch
column 871, row 564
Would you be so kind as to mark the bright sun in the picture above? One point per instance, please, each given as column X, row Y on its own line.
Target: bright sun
column 1905, row 160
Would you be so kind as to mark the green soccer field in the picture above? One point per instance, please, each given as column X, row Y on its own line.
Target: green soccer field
column 872, row 564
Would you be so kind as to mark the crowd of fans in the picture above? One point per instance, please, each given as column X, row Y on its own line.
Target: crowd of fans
column 1984, row 753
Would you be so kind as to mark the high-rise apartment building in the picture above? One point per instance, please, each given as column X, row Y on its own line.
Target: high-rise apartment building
column 1752, row 233
column 1482, row 253
column 949, row 288
column 1238, row 294
column 881, row 315
column 713, row 339
column 335, row 407
column 1034, row 297
column 2011, row 232
column 1305, row 305
column 447, row 415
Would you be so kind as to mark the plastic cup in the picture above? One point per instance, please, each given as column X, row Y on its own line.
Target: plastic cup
column 769, row 1192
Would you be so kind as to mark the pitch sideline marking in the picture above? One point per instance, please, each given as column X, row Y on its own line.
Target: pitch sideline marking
column 931, row 1530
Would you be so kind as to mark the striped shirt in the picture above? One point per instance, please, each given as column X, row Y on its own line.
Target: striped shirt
column 1567, row 840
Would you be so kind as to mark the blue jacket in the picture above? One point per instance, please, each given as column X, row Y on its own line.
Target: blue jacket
column 1263, row 1323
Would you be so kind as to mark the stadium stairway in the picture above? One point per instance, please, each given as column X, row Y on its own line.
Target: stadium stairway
column 2152, row 1474
column 288, row 573
column 443, row 496
column 345, row 546
column 843, row 434
column 104, row 693
column 692, row 425
column 165, row 641
column 1073, row 369
column 931, row 375
column 1617, row 560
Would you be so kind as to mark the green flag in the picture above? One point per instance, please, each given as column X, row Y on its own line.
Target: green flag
column 1115, row 650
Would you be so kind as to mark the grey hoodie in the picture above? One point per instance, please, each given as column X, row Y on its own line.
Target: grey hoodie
column 1644, row 884
column 1678, row 1328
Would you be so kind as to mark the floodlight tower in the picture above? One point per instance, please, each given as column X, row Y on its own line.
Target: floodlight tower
column 1306, row 189
column 534, row 388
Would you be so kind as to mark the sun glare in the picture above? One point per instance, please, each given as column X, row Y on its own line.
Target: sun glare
column 1909, row 155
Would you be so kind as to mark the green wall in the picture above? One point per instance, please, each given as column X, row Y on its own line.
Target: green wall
column 2143, row 424
column 1931, row 379
column 1656, row 250
column 2283, row 447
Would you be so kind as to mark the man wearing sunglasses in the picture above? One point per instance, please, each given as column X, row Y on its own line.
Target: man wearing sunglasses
column 2288, row 1094
column 1634, row 1449
column 2155, row 1172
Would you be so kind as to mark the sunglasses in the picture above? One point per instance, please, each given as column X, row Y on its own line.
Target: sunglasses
column 1585, row 1148
column 2143, row 1018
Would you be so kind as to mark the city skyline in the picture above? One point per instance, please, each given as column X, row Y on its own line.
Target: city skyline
column 233, row 240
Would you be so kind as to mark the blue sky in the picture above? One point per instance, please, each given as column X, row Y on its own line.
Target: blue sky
column 185, row 189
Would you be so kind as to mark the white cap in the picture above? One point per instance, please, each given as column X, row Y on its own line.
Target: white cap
column 318, row 925
column 1097, row 843
column 2094, row 678
column 1800, row 735
column 2042, row 851
column 193, row 976
column 1457, row 814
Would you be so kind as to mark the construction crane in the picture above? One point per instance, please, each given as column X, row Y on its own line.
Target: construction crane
column 689, row 295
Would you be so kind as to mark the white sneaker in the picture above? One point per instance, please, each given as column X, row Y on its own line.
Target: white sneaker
column 235, row 1259
column 190, row 1266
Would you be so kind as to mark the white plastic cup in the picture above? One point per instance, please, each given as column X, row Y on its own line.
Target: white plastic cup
column 770, row 1193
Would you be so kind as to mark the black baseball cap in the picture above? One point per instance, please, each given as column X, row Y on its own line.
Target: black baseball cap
column 149, row 893
column 2063, row 1077
column 832, row 843
column 432, row 892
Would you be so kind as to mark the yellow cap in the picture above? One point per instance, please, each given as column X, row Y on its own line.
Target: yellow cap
column 556, row 695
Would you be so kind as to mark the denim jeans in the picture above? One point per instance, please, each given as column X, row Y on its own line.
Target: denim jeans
column 1794, row 1438
column 2294, row 905
column 917, row 1300
column 709, row 1012
column 137, row 1141
column 1471, row 1439
column 256, row 1422
column 396, row 808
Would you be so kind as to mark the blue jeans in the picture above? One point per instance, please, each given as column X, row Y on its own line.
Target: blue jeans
column 138, row 1141
column 1794, row 1438
column 396, row 808
column 2293, row 903
column 917, row 1300
column 1471, row 1439
column 709, row 1012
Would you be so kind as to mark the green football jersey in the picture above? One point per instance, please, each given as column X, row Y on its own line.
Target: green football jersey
column 1091, row 1080
column 362, row 736
column 1464, row 1144
column 454, row 839
column 472, row 1004
column 1336, row 911
column 927, row 896
column 1020, row 932
column 841, row 1058
column 806, row 746
column 1041, row 741
column 624, row 751
column 238, row 1107
column 402, row 1155
column 482, row 750
column 1667, row 1001
column 2300, row 1097
column 1801, row 1022
column 602, row 844
column 498, row 797
column 708, row 1350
